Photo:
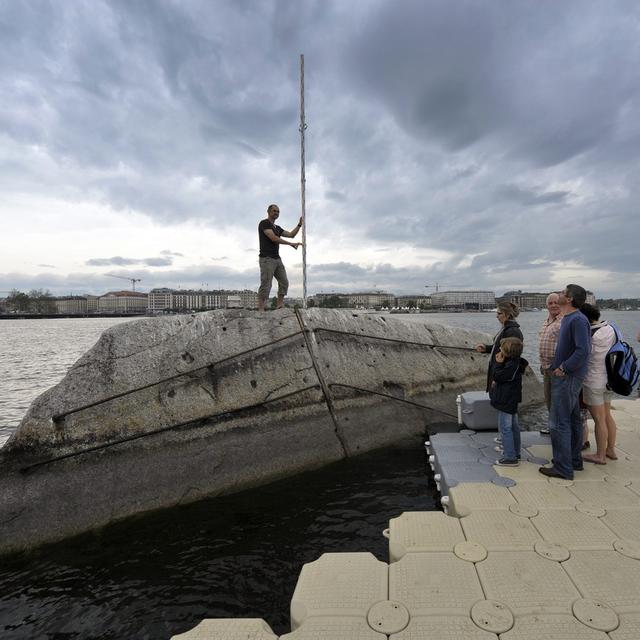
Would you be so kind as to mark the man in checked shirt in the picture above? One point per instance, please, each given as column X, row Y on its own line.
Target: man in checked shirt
column 548, row 335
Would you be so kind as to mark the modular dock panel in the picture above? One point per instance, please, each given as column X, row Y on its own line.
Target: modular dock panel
column 514, row 556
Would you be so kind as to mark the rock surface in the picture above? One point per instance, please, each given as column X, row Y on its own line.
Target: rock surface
column 170, row 410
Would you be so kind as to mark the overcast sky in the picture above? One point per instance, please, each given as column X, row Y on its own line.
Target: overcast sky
column 475, row 144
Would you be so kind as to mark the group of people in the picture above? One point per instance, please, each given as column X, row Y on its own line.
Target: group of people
column 574, row 343
column 573, row 346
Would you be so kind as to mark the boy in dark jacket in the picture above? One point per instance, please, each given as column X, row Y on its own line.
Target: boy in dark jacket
column 505, row 394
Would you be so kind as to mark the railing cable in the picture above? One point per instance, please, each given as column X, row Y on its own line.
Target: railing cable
column 60, row 416
column 372, row 337
column 180, row 425
column 388, row 395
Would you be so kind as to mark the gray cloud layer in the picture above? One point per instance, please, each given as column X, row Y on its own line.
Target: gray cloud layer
column 161, row 261
column 507, row 130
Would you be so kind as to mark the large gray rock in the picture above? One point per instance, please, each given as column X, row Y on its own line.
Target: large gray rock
column 169, row 410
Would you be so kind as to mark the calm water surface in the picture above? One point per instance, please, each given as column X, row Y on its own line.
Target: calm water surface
column 36, row 354
column 236, row 556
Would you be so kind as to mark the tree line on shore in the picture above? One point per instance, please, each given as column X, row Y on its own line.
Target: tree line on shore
column 35, row 301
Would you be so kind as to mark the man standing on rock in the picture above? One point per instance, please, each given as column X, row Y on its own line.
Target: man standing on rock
column 568, row 370
column 548, row 339
column 270, row 236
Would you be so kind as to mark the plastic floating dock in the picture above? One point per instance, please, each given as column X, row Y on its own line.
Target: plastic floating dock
column 515, row 556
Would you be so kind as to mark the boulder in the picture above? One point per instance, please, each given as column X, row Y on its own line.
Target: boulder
column 169, row 410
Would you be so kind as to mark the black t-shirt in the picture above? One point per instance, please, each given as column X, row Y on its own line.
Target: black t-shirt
column 269, row 248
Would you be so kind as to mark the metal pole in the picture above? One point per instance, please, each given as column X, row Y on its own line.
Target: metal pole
column 303, row 181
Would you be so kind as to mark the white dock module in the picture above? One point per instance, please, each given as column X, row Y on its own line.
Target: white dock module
column 347, row 628
column 527, row 583
column 551, row 627
column 606, row 494
column 468, row 496
column 573, row 529
column 443, row 628
column 229, row 629
column 629, row 628
column 625, row 523
column 608, row 577
column 434, row 584
column 543, row 495
column 421, row 531
column 339, row 585
column 500, row 530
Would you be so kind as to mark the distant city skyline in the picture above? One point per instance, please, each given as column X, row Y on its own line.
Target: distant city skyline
column 492, row 143
column 202, row 288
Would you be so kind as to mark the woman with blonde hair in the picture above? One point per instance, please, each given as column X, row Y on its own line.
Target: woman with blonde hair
column 506, row 313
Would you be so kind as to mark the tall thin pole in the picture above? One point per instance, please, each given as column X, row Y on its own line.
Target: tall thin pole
column 303, row 182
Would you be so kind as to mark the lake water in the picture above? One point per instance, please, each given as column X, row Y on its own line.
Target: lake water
column 236, row 556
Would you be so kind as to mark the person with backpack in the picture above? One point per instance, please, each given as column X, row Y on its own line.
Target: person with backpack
column 595, row 393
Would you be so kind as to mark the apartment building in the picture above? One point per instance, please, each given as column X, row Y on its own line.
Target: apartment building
column 533, row 300
column 123, row 302
column 71, row 305
column 459, row 300
column 419, row 300
column 164, row 299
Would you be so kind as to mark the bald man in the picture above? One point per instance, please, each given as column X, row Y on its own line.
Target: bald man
column 270, row 236
column 548, row 336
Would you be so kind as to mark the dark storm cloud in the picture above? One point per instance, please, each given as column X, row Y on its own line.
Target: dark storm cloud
column 527, row 73
column 489, row 129
column 528, row 197
column 144, row 96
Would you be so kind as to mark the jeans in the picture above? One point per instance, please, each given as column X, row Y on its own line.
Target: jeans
column 510, row 433
column 566, row 424
column 547, row 378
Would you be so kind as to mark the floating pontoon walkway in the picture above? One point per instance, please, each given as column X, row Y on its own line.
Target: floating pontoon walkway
column 516, row 556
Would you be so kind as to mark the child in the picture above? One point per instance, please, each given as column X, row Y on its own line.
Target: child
column 505, row 394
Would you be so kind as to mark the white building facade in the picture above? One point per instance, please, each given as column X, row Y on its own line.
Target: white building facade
column 464, row 300
column 168, row 300
column 123, row 302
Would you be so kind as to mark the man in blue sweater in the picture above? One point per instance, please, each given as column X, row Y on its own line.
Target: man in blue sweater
column 568, row 369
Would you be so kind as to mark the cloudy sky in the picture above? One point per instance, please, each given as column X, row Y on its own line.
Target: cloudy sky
column 475, row 144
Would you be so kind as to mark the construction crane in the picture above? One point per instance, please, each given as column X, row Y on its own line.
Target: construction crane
column 131, row 280
column 437, row 285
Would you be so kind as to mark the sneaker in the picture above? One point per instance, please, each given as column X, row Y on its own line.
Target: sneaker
column 498, row 439
column 498, row 448
column 545, row 431
column 507, row 462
